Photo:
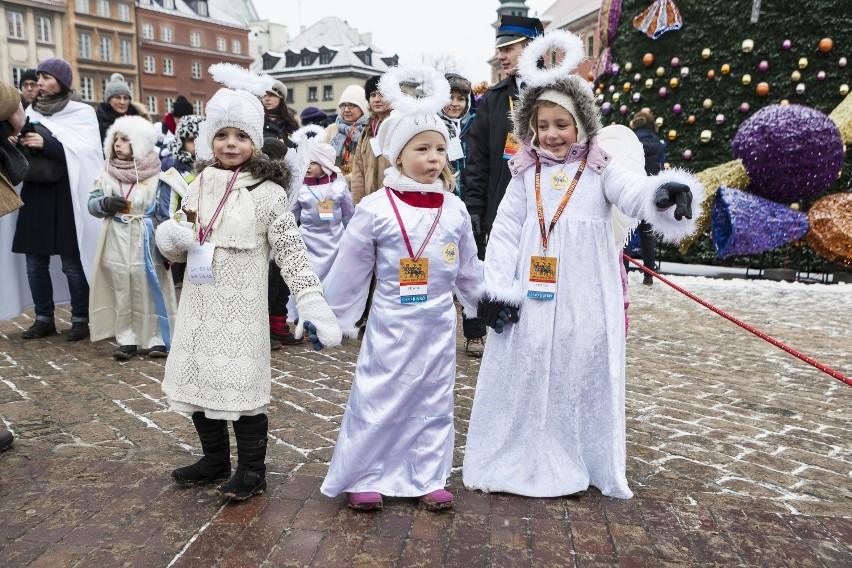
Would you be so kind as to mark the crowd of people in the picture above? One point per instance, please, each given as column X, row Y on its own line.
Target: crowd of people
column 370, row 227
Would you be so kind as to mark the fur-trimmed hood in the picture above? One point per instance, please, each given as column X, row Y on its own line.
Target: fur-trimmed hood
column 575, row 88
column 276, row 171
column 139, row 131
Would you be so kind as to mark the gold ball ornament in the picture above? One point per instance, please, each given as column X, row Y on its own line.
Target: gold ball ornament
column 726, row 69
column 803, row 62
column 708, row 103
column 674, row 83
column 795, row 76
column 706, row 53
column 795, row 206
column 648, row 59
column 762, row 89
column 627, row 86
column 747, row 46
column 672, row 135
column 844, row 89
column 661, row 71
column 783, row 102
column 615, row 97
column 706, row 136
column 659, row 121
column 826, row 44
column 598, row 91
column 746, row 79
column 628, row 67
column 649, row 83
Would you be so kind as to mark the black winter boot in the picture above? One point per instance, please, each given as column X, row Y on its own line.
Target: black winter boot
column 250, row 476
column 216, row 463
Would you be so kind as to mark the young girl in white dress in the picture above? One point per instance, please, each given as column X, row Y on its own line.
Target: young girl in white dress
column 548, row 415
column 397, row 434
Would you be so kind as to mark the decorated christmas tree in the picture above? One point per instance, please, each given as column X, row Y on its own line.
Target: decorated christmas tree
column 742, row 91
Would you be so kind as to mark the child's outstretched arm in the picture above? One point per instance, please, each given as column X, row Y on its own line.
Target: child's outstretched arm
column 470, row 275
column 662, row 200
column 348, row 282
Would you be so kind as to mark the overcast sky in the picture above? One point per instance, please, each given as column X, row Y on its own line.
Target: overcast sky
column 415, row 30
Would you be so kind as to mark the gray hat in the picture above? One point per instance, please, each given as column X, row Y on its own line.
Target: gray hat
column 278, row 89
column 117, row 86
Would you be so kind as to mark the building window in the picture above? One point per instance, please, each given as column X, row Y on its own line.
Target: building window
column 312, row 94
column 126, row 52
column 168, row 68
column 195, row 39
column 124, row 12
column 43, row 30
column 221, row 44
column 326, row 57
column 87, row 88
column 202, row 8
column 590, row 44
column 147, row 31
column 16, row 74
column 103, row 8
column 168, row 103
column 16, row 24
column 289, row 95
column 106, row 48
column 151, row 103
column 167, row 34
column 328, row 92
column 84, row 46
column 307, row 59
column 236, row 46
column 170, row 4
column 150, row 66
column 196, row 70
column 103, row 87
column 83, row 6
column 199, row 107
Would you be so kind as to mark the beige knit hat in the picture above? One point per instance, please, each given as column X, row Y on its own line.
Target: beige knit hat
column 354, row 94
column 10, row 100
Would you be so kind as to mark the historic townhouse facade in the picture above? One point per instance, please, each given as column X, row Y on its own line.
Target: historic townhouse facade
column 33, row 30
column 178, row 41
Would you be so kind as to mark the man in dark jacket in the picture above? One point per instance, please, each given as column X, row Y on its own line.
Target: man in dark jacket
column 490, row 141
column 645, row 128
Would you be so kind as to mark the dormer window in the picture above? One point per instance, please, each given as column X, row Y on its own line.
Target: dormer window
column 326, row 57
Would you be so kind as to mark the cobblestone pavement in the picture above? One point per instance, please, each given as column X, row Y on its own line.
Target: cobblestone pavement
column 738, row 454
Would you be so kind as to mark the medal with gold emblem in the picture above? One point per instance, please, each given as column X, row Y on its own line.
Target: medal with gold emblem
column 451, row 252
column 559, row 180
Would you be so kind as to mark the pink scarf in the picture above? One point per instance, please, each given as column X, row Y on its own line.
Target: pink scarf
column 132, row 171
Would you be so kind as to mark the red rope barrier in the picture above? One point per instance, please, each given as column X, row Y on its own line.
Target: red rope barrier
column 827, row 370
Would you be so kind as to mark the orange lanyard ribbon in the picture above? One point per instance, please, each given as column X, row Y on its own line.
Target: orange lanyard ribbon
column 546, row 234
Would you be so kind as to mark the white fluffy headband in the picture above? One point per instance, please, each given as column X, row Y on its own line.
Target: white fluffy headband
column 435, row 89
column 239, row 78
column 539, row 47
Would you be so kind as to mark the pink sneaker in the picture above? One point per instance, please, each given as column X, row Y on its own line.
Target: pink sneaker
column 366, row 501
column 437, row 500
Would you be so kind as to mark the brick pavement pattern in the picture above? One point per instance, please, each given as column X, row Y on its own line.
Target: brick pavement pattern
column 738, row 454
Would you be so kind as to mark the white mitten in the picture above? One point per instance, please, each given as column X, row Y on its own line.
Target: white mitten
column 174, row 240
column 313, row 308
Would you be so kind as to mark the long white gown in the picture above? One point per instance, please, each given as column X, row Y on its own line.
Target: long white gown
column 548, row 415
column 397, row 433
column 322, row 237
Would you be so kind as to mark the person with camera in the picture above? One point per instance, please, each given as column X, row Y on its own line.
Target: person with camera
column 62, row 144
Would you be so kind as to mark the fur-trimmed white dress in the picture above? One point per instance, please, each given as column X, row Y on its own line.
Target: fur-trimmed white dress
column 397, row 434
column 219, row 361
column 548, row 416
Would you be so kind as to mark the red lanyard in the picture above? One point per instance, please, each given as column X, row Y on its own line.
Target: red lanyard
column 120, row 189
column 202, row 233
column 540, row 208
column 405, row 235
column 345, row 159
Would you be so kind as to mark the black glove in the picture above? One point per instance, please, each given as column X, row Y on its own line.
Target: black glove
column 476, row 222
column 677, row 194
column 114, row 204
column 497, row 314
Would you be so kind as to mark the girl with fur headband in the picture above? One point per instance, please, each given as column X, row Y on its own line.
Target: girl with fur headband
column 236, row 213
column 397, row 433
column 132, row 296
column 548, row 416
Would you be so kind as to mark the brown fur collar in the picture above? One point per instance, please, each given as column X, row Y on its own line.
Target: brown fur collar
column 276, row 171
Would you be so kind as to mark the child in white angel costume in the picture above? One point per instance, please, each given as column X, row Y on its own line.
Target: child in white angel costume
column 236, row 209
column 397, row 434
column 548, row 416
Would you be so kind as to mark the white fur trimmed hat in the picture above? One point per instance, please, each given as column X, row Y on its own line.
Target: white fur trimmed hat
column 398, row 128
column 139, row 131
column 232, row 109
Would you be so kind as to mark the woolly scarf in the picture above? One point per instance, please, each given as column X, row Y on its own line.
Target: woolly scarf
column 51, row 104
column 528, row 155
column 343, row 129
column 133, row 171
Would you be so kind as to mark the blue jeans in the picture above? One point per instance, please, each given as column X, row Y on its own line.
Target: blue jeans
column 41, row 287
